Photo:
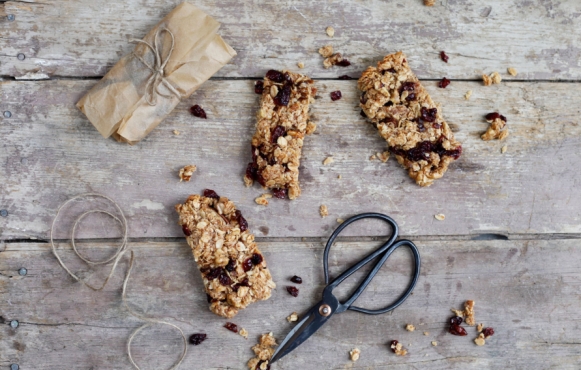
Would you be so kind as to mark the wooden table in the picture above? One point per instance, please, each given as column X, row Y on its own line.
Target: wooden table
column 510, row 240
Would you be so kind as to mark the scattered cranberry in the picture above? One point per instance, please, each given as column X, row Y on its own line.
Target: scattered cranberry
column 197, row 111
column 186, row 230
column 429, row 114
column 257, row 259
column 241, row 221
column 393, row 345
column 445, row 82
column 336, row 95
column 343, row 63
column 275, row 76
column 457, row 330
column 345, row 77
column 232, row 327
column 276, row 133
column 296, row 279
column 260, row 363
column 444, row 56
column 494, row 115
column 279, row 193
column 283, row 97
column 252, row 171
column 197, row 338
column 292, row 291
column 456, row 320
column 258, row 87
column 503, row 118
column 488, row 332
column 209, row 193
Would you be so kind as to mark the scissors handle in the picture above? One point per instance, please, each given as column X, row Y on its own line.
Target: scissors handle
column 382, row 253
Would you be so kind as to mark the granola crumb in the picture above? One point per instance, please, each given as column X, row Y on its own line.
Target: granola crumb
column 479, row 327
column 187, row 172
column 328, row 160
column 243, row 332
column 292, row 317
column 457, row 312
column 263, row 351
column 486, row 80
column 429, row 2
column 469, row 312
column 503, row 149
column 383, row 156
column 440, row 217
column 323, row 210
column 434, row 343
column 339, row 177
column 468, row 95
column 480, row 340
column 301, row 65
column 426, row 333
column 263, row 199
column 340, row 220
column 496, row 79
column 326, row 51
column 512, row 71
column 330, row 31
column 373, row 157
column 495, row 130
column 354, row 353
column 176, row 132
column 398, row 349
column 410, row 327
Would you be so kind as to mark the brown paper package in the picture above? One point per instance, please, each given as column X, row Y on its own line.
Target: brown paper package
column 122, row 104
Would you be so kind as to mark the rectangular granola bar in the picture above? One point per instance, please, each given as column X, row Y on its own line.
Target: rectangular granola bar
column 282, row 123
column 233, row 269
column 407, row 118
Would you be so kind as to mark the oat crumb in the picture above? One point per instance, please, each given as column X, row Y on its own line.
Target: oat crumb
column 301, row 65
column 426, row 333
column 487, row 80
column 292, row 317
column 440, row 217
column 326, row 51
column 468, row 95
column 429, row 2
column 512, row 71
column 263, row 199
column 503, row 149
column 339, row 176
column 383, row 156
column 480, row 340
column 469, row 312
column 328, row 160
column 434, row 343
column 176, row 132
column 495, row 76
column 479, row 327
column 243, row 333
column 187, row 172
column 354, row 353
column 457, row 312
column 340, row 220
column 399, row 350
column 323, row 210
column 410, row 327
column 330, row 31
column 373, row 157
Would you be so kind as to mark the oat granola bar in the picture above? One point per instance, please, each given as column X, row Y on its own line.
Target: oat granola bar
column 233, row 269
column 407, row 118
column 282, row 123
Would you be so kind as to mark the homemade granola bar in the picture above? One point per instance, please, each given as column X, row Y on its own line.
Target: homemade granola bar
column 407, row 118
column 282, row 123
column 233, row 269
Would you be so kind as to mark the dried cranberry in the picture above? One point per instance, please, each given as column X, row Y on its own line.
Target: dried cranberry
column 241, row 221
column 209, row 298
column 197, row 338
column 410, row 97
column 362, row 113
column 393, row 344
column 488, row 332
column 392, row 70
column 436, row 125
column 244, row 282
column 279, row 193
column 260, row 179
column 232, row 327
column 186, row 230
column 457, row 330
column 336, row 95
column 503, row 118
column 296, row 279
column 257, row 259
column 224, row 279
column 231, row 265
column 292, row 291
column 283, row 97
column 197, row 111
column 456, row 320
column 363, row 98
column 408, row 86
column 492, row 116
column 247, row 264
column 208, row 193
column 445, row 82
column 421, row 127
column 258, row 87
column 388, row 104
column 429, row 114
column 275, row 76
column 252, row 171
column 345, row 77
column 343, row 63
column 276, row 133
column 444, row 56
column 214, row 273
column 260, row 363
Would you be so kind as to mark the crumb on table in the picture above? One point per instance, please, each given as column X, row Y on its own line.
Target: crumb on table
column 292, row 317
column 512, row 71
column 186, row 172
column 410, row 327
column 330, row 31
column 263, row 199
column 323, row 210
column 328, row 160
column 354, row 353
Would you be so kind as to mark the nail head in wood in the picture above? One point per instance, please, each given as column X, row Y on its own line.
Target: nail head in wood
column 22, row 271
column 7, row 114
column 4, row 213
column 14, row 367
column 14, row 324
column 10, row 17
column 21, row 56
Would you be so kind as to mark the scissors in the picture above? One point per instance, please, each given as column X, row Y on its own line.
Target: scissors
column 321, row 312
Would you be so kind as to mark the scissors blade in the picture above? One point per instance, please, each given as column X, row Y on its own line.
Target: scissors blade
column 301, row 332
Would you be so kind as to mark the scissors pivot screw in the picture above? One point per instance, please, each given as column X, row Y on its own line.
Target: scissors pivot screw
column 325, row 310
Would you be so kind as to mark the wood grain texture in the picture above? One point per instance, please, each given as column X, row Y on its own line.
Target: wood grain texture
column 86, row 38
column 532, row 305
column 51, row 153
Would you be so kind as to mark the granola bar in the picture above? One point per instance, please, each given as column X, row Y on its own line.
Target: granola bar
column 282, row 123
column 233, row 270
column 407, row 118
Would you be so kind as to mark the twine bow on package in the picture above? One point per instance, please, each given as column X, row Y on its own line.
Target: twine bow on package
column 175, row 58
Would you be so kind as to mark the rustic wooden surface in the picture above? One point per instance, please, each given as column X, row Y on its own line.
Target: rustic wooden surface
column 526, row 282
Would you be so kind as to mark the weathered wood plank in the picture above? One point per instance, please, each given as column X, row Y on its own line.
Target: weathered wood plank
column 531, row 304
column 51, row 153
column 85, row 38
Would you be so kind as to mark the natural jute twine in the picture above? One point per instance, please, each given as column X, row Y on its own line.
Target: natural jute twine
column 121, row 249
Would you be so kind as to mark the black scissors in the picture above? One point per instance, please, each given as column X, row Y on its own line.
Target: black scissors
column 318, row 315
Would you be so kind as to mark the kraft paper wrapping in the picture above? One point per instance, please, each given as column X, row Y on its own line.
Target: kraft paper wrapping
column 127, row 104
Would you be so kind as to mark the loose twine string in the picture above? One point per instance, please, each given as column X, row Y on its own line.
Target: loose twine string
column 157, row 69
column 121, row 250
